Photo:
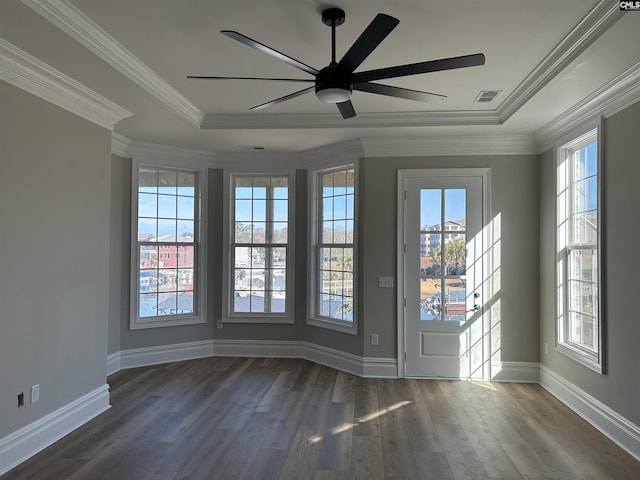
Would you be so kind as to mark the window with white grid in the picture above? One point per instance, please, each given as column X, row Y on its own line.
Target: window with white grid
column 578, row 235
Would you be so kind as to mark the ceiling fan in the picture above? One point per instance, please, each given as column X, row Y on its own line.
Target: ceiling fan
column 335, row 82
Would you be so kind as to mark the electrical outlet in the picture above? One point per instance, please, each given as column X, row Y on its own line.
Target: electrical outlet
column 374, row 339
column 35, row 393
column 21, row 399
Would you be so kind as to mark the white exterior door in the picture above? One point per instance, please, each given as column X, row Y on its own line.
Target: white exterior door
column 442, row 264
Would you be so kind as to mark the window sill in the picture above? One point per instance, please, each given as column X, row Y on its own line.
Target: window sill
column 140, row 324
column 337, row 325
column 580, row 357
column 260, row 319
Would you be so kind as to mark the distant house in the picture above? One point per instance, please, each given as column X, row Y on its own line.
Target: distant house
column 431, row 241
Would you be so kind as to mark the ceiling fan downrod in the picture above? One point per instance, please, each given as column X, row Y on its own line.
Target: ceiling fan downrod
column 331, row 85
column 333, row 17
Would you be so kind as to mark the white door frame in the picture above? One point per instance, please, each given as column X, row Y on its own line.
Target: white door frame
column 403, row 174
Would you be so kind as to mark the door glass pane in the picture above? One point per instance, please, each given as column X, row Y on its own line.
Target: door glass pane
column 455, row 254
column 455, row 207
column 429, row 263
column 430, row 299
column 430, row 209
column 443, row 242
column 455, row 296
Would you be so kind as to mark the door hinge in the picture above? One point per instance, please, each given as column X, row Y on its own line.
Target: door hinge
column 405, row 357
column 405, row 302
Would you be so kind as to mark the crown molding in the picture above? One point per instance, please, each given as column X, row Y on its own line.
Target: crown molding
column 255, row 161
column 594, row 24
column 26, row 72
column 155, row 152
column 338, row 153
column 119, row 144
column 363, row 120
column 81, row 28
column 616, row 95
column 449, row 145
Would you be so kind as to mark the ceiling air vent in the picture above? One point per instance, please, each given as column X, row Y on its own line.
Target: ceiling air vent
column 251, row 147
column 486, row 96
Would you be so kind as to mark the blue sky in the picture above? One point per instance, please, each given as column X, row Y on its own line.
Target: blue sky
column 431, row 205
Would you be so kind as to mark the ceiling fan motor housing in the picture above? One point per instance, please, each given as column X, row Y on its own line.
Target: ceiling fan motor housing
column 333, row 84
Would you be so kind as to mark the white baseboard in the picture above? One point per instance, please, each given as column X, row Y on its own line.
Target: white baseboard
column 142, row 357
column 364, row 367
column 622, row 431
column 380, row 367
column 113, row 363
column 347, row 362
column 257, row 348
column 22, row 444
column 519, row 372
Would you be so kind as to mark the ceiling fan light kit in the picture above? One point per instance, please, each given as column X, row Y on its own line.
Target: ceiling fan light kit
column 336, row 82
column 333, row 95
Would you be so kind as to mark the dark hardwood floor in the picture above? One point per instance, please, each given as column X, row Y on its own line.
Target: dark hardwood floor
column 240, row 418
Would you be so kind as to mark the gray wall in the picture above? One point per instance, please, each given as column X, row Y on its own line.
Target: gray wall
column 514, row 183
column 514, row 199
column 618, row 388
column 54, row 255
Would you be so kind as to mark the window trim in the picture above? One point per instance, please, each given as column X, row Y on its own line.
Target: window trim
column 313, row 318
column 228, row 316
column 200, row 251
column 593, row 361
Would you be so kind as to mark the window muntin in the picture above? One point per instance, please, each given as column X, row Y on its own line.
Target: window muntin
column 334, row 256
column 578, row 244
column 260, row 244
column 167, row 232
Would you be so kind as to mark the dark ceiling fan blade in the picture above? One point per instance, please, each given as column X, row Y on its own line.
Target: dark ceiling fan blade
column 422, row 67
column 399, row 92
column 282, row 99
column 205, row 77
column 346, row 109
column 376, row 32
column 269, row 51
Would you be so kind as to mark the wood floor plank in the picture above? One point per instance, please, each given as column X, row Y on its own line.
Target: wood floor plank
column 366, row 410
column 263, row 419
column 335, row 451
column 303, row 455
column 488, row 449
column 344, row 388
column 366, row 458
column 527, row 461
column 397, row 453
column 460, row 455
column 433, row 466
column 267, row 464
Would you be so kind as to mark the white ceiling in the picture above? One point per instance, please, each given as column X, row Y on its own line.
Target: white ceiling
column 544, row 55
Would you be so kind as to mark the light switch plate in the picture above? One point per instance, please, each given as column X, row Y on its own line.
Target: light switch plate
column 385, row 282
column 35, row 393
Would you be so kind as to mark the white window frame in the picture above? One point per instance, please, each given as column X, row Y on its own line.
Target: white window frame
column 200, row 290
column 315, row 232
column 229, row 316
column 564, row 245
